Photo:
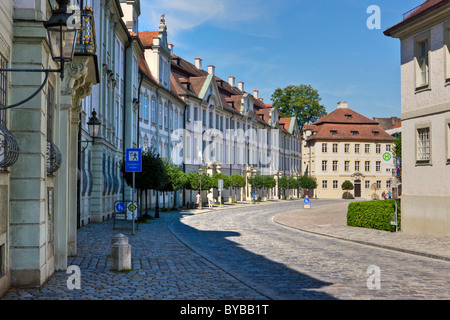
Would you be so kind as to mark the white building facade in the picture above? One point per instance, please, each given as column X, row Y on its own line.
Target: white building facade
column 425, row 74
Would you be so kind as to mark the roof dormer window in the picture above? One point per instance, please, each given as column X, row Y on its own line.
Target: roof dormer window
column 376, row 133
column 349, row 116
column 355, row 133
column 333, row 132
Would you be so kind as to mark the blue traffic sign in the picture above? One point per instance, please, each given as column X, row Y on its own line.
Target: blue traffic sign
column 399, row 161
column 306, row 201
column 120, row 207
column 133, row 161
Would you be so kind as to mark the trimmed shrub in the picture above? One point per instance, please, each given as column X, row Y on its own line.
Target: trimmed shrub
column 373, row 214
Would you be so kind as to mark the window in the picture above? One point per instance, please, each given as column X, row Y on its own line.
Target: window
column 423, row 145
column 347, row 148
column 447, row 134
column 160, row 119
column 324, row 184
column 50, row 112
column 335, row 184
column 356, row 148
column 355, row 133
column 335, row 147
column 166, row 117
column 367, row 184
column 333, row 132
column 324, row 147
column 357, row 165
column 347, row 166
column 211, row 119
column 188, row 113
column 204, row 118
column 195, row 114
column 335, row 165
column 153, row 111
column 367, row 166
column 378, row 148
column 324, row 165
column 3, row 90
column 367, row 148
column 388, row 184
column 422, row 76
column 378, row 184
column 145, row 109
column 447, row 50
column 378, row 166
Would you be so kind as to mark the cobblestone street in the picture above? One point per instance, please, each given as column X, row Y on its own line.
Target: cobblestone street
column 238, row 254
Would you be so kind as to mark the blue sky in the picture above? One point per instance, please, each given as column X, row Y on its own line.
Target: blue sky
column 273, row 44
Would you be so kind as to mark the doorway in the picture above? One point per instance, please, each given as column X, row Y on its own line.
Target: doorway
column 357, row 188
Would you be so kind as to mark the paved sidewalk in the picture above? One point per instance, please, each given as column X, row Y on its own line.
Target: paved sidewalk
column 330, row 220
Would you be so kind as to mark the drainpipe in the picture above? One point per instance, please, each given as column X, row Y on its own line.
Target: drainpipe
column 130, row 42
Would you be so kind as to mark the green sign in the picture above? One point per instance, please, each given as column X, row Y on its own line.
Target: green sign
column 387, row 156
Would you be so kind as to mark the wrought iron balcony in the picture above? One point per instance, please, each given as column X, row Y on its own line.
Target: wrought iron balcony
column 53, row 156
column 86, row 42
column 9, row 149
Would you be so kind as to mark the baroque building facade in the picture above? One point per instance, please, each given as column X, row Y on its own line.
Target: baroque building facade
column 198, row 120
column 345, row 145
column 38, row 179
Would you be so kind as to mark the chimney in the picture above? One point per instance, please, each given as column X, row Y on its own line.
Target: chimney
column 170, row 48
column 255, row 94
column 241, row 86
column 261, row 99
column 342, row 105
column 231, row 81
column 198, row 63
column 211, row 69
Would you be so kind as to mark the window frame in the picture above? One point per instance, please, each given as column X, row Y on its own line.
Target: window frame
column 419, row 160
column 420, row 86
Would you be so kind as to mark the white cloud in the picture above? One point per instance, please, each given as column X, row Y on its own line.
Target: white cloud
column 182, row 15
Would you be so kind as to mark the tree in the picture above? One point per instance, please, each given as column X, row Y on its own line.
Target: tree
column 347, row 186
column 268, row 182
column 177, row 179
column 283, row 183
column 306, row 182
column 220, row 176
column 237, row 181
column 301, row 102
column 152, row 177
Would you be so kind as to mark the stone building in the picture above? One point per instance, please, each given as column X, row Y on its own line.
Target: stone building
column 225, row 129
column 38, row 184
column 344, row 145
column 424, row 35
column 115, row 100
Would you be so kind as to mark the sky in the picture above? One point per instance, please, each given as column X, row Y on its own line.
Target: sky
column 274, row 44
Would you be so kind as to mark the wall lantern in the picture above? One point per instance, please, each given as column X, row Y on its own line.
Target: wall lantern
column 62, row 33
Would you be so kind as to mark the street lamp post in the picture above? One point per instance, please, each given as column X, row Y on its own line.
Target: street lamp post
column 200, row 172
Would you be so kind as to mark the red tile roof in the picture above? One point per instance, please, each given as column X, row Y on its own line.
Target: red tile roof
column 147, row 37
column 346, row 124
column 425, row 8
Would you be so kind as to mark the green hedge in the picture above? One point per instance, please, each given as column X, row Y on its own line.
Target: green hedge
column 375, row 214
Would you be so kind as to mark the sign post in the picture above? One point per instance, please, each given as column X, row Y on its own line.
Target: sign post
column 306, row 203
column 133, row 163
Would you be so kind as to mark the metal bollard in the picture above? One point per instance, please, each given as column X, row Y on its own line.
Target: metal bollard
column 120, row 253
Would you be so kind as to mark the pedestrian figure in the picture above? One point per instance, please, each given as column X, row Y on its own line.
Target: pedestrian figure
column 210, row 199
column 198, row 198
column 389, row 194
column 383, row 195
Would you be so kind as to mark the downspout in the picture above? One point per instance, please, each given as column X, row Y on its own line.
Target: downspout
column 130, row 42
